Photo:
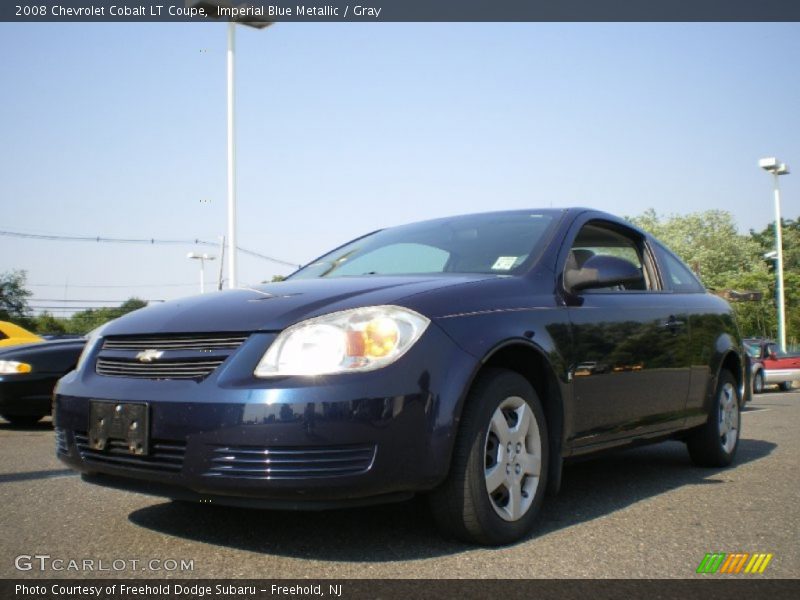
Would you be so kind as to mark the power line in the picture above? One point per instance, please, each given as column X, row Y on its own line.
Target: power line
column 263, row 256
column 71, row 300
column 85, row 238
column 122, row 285
column 78, row 308
column 68, row 309
column 151, row 241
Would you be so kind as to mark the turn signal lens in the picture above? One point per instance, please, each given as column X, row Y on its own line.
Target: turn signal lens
column 378, row 338
column 12, row 367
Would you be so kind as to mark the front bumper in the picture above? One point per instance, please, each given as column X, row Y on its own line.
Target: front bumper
column 289, row 442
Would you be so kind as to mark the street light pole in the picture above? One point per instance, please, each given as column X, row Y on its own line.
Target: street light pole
column 214, row 8
column 777, row 168
column 202, row 258
column 232, row 280
column 221, row 261
column 779, row 263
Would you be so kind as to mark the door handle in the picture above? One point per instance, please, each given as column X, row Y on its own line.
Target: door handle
column 672, row 323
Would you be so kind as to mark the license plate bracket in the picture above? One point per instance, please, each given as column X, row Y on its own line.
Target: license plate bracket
column 127, row 422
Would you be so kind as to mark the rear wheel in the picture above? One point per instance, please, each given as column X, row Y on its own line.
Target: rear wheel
column 758, row 383
column 715, row 443
column 785, row 386
column 498, row 473
column 23, row 419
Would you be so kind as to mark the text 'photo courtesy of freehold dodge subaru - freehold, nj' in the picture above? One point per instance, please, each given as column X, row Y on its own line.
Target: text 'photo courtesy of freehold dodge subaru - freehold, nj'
column 404, row 299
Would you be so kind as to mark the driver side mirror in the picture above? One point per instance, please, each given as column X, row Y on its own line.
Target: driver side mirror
column 601, row 272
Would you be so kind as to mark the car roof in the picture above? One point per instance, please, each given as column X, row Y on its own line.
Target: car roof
column 569, row 212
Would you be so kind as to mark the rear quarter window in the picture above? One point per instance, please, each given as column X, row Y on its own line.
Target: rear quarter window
column 676, row 275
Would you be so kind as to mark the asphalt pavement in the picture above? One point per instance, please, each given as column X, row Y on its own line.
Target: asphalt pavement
column 642, row 513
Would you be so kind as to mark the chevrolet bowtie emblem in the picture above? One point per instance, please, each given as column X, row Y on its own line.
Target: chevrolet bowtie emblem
column 147, row 356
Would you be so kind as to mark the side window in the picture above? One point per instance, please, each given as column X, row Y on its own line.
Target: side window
column 676, row 274
column 3, row 336
column 598, row 238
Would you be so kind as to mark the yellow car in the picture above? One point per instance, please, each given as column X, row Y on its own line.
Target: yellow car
column 11, row 335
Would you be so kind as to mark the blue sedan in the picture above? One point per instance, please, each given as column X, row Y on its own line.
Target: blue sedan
column 463, row 358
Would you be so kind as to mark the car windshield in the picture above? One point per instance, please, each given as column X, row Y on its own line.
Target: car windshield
column 494, row 243
column 776, row 350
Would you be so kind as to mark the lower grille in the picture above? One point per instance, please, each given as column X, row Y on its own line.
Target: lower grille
column 61, row 442
column 165, row 456
column 252, row 462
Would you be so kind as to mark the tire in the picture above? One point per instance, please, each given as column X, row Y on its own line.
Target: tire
column 481, row 501
column 785, row 386
column 715, row 443
column 758, row 383
column 23, row 420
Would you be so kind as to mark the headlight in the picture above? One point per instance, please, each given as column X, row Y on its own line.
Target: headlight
column 12, row 367
column 361, row 339
column 91, row 341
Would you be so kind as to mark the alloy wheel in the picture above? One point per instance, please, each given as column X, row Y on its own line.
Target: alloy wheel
column 728, row 417
column 513, row 458
column 759, row 383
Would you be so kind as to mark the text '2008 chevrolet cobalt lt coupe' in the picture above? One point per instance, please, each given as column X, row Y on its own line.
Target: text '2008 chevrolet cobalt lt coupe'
column 464, row 358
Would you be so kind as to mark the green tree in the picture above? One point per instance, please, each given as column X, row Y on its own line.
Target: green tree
column 708, row 242
column 14, row 298
column 47, row 323
column 130, row 305
column 790, row 234
column 84, row 321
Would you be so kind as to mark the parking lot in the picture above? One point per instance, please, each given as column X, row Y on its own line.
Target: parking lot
column 645, row 512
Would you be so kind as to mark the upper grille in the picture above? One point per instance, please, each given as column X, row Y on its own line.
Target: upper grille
column 251, row 462
column 165, row 456
column 176, row 342
column 183, row 356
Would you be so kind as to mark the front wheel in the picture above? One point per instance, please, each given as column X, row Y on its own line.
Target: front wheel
column 715, row 443
column 498, row 474
column 758, row 383
column 785, row 386
column 23, row 420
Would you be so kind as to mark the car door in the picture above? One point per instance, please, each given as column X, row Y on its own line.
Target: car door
column 781, row 367
column 630, row 373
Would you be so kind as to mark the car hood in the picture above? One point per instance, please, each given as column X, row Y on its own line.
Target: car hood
column 43, row 347
column 275, row 306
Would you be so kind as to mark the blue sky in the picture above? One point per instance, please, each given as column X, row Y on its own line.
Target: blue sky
column 119, row 130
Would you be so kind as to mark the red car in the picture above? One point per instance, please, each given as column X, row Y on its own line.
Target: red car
column 770, row 365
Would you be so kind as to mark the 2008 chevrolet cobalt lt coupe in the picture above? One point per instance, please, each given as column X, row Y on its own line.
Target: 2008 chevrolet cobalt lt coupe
column 465, row 358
